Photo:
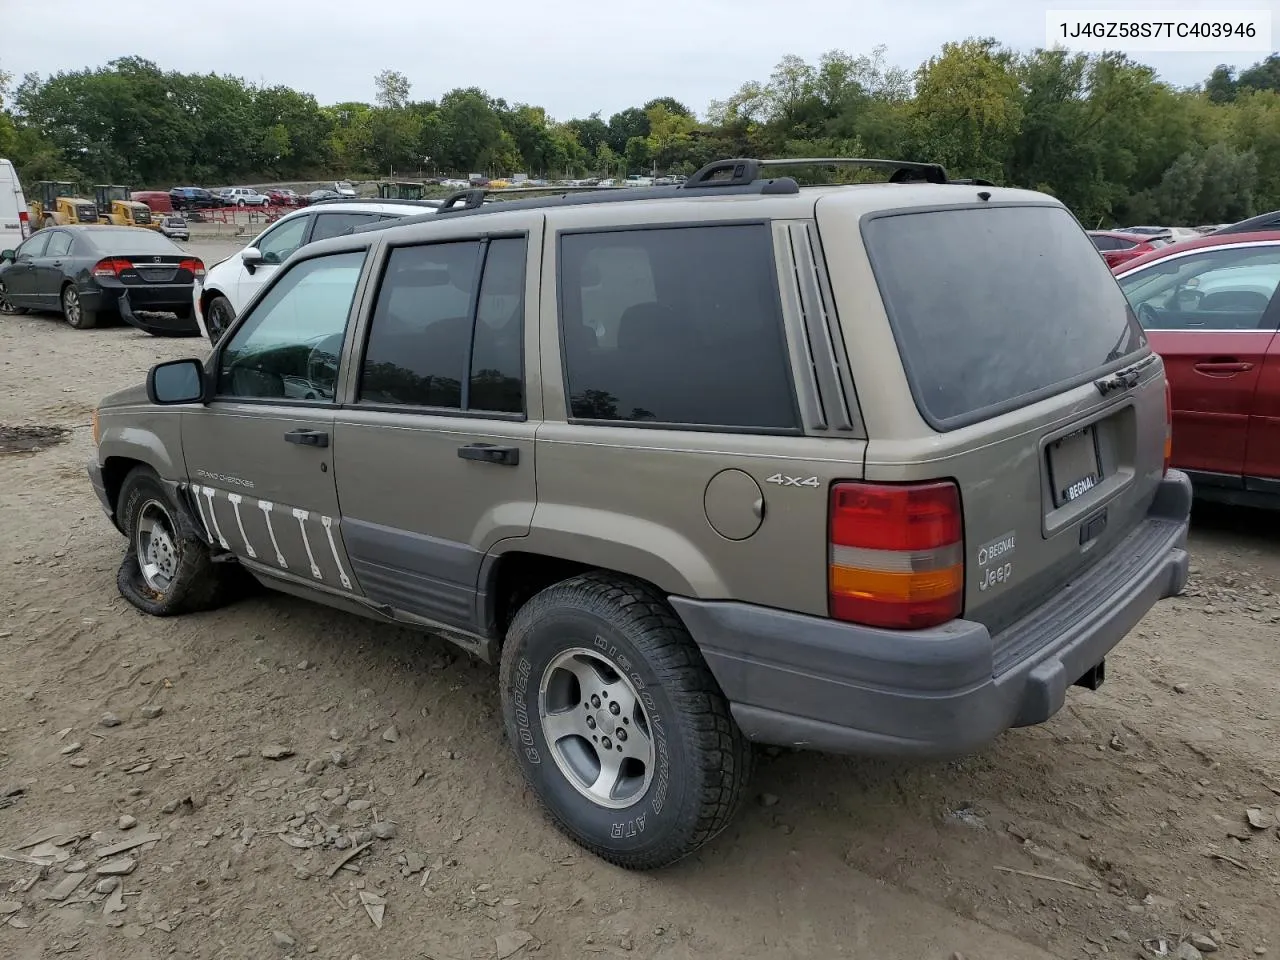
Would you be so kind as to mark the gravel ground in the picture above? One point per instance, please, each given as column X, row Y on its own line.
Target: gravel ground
column 254, row 747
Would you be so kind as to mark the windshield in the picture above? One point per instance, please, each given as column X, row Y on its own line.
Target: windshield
column 995, row 307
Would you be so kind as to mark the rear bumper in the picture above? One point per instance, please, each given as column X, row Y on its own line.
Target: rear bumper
column 148, row 308
column 811, row 682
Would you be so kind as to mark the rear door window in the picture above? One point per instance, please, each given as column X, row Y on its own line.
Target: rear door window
column 59, row 245
column 996, row 307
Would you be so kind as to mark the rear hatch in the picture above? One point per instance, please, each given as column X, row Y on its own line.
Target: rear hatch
column 1024, row 378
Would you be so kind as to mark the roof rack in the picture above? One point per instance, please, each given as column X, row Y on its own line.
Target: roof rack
column 723, row 177
column 408, row 203
column 471, row 198
column 743, row 170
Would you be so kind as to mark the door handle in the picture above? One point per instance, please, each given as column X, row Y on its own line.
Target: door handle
column 57, row 263
column 488, row 453
column 1224, row 366
column 309, row 438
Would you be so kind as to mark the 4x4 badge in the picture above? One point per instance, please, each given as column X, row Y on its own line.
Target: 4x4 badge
column 784, row 481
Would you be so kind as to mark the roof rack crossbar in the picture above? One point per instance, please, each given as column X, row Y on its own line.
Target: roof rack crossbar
column 425, row 202
column 473, row 197
column 746, row 170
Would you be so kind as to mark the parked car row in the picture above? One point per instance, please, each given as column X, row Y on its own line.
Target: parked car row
column 200, row 198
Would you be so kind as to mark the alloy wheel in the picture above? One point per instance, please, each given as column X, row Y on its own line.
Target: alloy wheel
column 597, row 728
column 156, row 546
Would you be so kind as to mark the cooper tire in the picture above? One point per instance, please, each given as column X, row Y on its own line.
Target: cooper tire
column 627, row 638
column 185, row 579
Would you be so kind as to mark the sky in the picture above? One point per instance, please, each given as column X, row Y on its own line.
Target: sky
column 573, row 57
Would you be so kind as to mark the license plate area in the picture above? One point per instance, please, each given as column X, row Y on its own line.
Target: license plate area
column 157, row 274
column 1074, row 464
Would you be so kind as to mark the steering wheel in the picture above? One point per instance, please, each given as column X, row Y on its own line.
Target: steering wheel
column 1147, row 316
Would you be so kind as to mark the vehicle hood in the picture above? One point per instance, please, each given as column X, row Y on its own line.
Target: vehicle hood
column 129, row 396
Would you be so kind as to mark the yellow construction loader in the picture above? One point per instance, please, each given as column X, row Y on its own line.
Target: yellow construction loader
column 57, row 204
column 116, row 208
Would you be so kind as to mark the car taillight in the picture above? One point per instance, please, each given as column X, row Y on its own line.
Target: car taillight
column 897, row 554
column 1168, row 426
column 24, row 224
column 111, row 267
column 194, row 265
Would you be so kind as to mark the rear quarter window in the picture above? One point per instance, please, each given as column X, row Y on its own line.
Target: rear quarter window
column 675, row 326
column 995, row 307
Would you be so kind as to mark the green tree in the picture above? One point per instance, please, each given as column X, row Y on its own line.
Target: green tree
column 967, row 108
column 626, row 125
column 392, row 90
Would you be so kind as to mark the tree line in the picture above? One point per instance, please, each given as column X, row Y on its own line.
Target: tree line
column 1101, row 132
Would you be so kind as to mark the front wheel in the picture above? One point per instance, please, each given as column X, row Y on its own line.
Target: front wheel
column 617, row 723
column 167, row 569
column 75, row 312
column 7, row 306
column 218, row 316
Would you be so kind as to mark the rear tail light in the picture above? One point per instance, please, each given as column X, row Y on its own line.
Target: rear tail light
column 24, row 224
column 1168, row 426
column 897, row 554
column 111, row 267
column 194, row 265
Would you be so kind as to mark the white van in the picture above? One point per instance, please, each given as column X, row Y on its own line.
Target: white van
column 14, row 222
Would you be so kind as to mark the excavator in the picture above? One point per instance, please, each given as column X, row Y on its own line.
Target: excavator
column 57, row 204
column 117, row 208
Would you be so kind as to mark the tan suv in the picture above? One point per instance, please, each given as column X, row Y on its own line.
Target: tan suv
column 876, row 468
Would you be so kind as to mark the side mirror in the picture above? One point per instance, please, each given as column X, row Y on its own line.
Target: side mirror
column 176, row 381
column 252, row 256
column 8, row 255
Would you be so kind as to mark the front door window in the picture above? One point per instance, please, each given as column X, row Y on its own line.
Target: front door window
column 287, row 349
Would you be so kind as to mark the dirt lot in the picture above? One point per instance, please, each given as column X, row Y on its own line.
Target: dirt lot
column 1123, row 819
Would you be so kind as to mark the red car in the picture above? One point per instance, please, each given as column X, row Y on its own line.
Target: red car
column 282, row 198
column 1117, row 248
column 1211, row 310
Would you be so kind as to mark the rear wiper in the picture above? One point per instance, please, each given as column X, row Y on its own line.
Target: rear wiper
column 1125, row 379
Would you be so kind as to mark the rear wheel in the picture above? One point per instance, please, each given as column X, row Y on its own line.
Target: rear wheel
column 75, row 312
column 617, row 723
column 167, row 569
column 218, row 316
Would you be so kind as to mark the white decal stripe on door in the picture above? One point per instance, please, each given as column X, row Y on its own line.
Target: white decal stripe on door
column 301, row 516
column 200, row 507
column 208, row 492
column 265, row 506
column 333, row 548
column 235, row 499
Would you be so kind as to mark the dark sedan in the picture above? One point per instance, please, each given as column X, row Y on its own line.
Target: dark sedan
column 90, row 274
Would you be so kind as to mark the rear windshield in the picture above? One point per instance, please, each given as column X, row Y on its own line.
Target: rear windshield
column 131, row 240
column 996, row 307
